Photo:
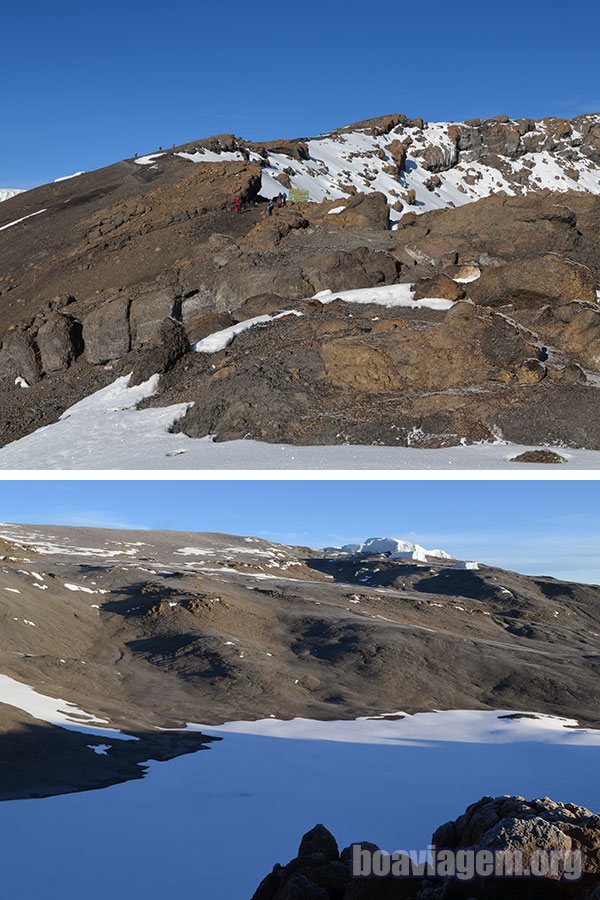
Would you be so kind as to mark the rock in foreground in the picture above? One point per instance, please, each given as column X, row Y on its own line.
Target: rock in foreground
column 503, row 824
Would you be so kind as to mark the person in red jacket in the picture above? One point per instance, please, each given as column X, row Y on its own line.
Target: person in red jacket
column 238, row 204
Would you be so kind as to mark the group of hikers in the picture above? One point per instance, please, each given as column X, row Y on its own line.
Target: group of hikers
column 274, row 203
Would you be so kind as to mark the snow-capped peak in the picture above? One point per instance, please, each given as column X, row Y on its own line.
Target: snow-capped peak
column 395, row 548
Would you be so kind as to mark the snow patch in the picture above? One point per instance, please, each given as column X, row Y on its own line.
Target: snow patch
column 219, row 340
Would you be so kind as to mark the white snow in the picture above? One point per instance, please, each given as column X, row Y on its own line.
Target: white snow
column 68, row 177
column 104, row 431
column 209, row 156
column 395, row 548
column 461, row 726
column 76, row 587
column 23, row 219
column 391, row 782
column 54, row 710
column 219, row 340
column 386, row 295
column 343, row 163
column 148, row 160
column 7, row 193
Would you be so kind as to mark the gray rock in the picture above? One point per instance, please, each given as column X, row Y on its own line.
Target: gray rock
column 21, row 356
column 106, row 331
column 146, row 314
column 60, row 342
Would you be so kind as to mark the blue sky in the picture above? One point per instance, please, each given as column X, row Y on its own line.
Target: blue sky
column 82, row 85
column 534, row 527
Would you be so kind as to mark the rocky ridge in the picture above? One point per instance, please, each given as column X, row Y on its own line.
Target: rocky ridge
column 127, row 268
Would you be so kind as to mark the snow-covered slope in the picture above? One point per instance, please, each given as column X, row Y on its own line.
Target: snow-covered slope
column 7, row 193
column 422, row 166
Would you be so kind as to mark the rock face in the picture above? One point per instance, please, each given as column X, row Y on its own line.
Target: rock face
column 500, row 824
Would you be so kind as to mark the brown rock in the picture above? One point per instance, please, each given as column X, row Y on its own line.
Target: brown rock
column 534, row 282
column 547, row 457
column 440, row 287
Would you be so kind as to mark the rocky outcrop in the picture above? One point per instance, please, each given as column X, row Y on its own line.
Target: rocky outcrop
column 549, row 278
column 501, row 824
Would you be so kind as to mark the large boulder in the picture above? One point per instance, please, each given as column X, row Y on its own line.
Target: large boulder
column 365, row 211
column 20, row 356
column 534, row 282
column 343, row 270
column 60, row 342
column 106, row 331
column 574, row 328
column 147, row 312
column 455, row 352
column 441, row 287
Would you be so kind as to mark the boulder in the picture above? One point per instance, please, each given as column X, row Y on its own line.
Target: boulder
column 574, row 328
column 439, row 158
column 534, row 282
column 319, row 840
column 60, row 342
column 20, row 356
column 545, row 457
column 208, row 323
column 147, row 312
column 441, row 286
column 343, row 270
column 365, row 211
column 106, row 332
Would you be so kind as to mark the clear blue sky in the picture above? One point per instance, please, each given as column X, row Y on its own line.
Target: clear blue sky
column 82, row 85
column 534, row 527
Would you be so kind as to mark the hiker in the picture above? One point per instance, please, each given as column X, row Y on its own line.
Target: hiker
column 279, row 201
column 270, row 207
column 284, row 199
column 238, row 204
